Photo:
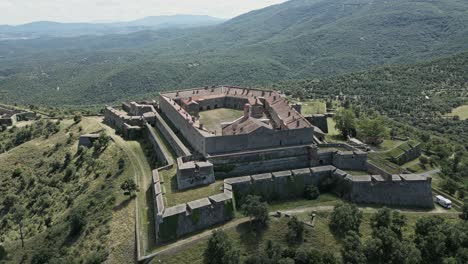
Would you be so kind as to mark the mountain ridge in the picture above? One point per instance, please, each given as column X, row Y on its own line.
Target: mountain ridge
column 75, row 29
column 294, row 40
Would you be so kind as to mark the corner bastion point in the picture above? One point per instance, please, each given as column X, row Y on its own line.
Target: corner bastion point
column 272, row 150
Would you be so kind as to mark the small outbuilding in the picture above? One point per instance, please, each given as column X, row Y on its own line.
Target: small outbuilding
column 87, row 140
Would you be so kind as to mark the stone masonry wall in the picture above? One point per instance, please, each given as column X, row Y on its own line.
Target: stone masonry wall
column 190, row 133
column 156, row 144
column 355, row 160
column 179, row 148
column 194, row 173
column 403, row 190
column 242, row 163
column 209, row 144
column 183, row 219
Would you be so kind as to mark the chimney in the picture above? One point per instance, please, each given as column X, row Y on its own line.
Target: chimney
column 246, row 111
column 298, row 123
column 289, row 114
column 201, row 126
column 274, row 98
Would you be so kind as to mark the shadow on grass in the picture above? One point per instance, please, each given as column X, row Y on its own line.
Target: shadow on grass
column 123, row 204
column 151, row 236
column 251, row 233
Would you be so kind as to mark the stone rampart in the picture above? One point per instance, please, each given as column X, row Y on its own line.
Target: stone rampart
column 136, row 109
column 403, row 190
column 179, row 148
column 128, row 126
column 194, row 173
column 319, row 121
column 408, row 155
column 261, row 161
column 157, row 146
column 260, row 138
column 185, row 128
column 350, row 160
column 183, row 219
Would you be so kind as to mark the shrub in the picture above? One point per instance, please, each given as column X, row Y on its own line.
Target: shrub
column 296, row 230
column 3, row 252
column 311, row 192
column 78, row 221
column 255, row 209
column 345, row 217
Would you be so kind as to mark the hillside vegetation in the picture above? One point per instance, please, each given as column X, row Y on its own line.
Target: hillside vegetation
column 60, row 198
column 420, row 95
column 296, row 39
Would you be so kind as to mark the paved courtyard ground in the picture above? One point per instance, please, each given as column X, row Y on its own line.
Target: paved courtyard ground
column 212, row 119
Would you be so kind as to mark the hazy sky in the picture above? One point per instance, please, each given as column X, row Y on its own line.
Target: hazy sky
column 24, row 11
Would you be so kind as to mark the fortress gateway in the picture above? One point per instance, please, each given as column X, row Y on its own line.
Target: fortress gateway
column 266, row 147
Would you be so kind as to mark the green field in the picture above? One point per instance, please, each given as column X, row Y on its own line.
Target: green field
column 212, row 119
column 332, row 131
column 318, row 237
column 313, row 107
column 461, row 112
column 388, row 144
column 416, row 167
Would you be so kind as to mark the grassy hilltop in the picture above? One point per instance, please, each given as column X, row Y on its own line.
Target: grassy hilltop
column 66, row 200
column 296, row 39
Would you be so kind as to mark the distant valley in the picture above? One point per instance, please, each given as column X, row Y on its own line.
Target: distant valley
column 54, row 29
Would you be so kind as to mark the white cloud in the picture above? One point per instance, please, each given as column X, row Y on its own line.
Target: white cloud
column 23, row 11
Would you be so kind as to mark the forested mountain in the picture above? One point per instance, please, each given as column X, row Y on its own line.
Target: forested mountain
column 296, row 39
column 55, row 29
column 421, row 95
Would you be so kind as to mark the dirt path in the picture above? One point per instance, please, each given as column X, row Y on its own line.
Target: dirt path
column 174, row 247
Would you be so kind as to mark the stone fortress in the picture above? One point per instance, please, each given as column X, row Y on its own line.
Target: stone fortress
column 9, row 115
column 271, row 150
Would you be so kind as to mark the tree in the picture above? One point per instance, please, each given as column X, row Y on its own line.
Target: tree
column 311, row 192
column 386, row 247
column 10, row 200
column 386, row 218
column 3, row 252
column 344, row 218
column 464, row 213
column 220, row 249
column 78, row 221
column 372, row 131
column 345, row 122
column 450, row 186
column 77, row 118
column 129, row 187
column 430, row 238
column 255, row 209
column 353, row 250
column 424, row 160
column 295, row 230
column 121, row 163
column 41, row 256
column 19, row 213
column 102, row 142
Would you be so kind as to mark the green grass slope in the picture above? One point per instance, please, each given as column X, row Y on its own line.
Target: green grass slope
column 36, row 176
column 296, row 39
